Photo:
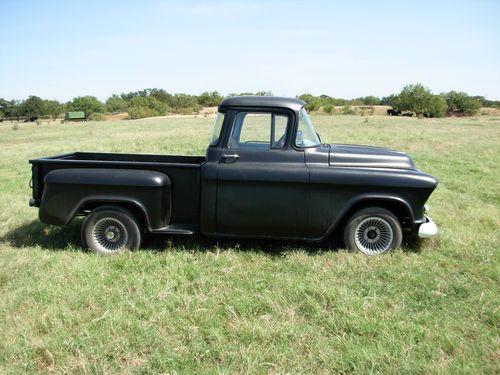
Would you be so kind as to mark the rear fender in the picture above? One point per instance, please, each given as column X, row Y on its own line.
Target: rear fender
column 69, row 191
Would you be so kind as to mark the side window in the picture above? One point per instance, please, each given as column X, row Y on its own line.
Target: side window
column 258, row 131
column 255, row 127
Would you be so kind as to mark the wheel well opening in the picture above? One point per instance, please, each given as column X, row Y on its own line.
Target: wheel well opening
column 399, row 209
column 132, row 208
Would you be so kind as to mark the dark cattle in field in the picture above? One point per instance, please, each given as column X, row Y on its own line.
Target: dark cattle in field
column 393, row 112
column 31, row 119
column 407, row 114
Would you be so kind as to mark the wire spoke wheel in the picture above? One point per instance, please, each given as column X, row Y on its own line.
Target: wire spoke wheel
column 110, row 235
column 109, row 229
column 373, row 235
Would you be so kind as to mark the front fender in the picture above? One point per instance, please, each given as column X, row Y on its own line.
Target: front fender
column 335, row 191
column 370, row 199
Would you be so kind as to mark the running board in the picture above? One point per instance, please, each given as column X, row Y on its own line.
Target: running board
column 186, row 229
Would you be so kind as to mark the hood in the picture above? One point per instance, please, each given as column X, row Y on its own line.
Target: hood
column 368, row 157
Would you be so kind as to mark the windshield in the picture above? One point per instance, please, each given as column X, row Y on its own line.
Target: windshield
column 306, row 135
column 219, row 119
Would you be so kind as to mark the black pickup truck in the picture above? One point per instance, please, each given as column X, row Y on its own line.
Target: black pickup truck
column 266, row 174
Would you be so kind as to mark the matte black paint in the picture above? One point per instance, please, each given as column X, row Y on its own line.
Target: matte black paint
column 275, row 193
column 147, row 191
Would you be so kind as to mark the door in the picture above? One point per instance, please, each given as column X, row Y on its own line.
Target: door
column 262, row 181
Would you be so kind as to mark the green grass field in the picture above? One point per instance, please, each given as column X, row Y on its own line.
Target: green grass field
column 192, row 305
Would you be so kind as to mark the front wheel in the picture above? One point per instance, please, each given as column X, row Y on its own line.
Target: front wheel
column 108, row 230
column 373, row 231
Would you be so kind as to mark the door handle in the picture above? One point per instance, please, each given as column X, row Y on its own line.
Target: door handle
column 232, row 157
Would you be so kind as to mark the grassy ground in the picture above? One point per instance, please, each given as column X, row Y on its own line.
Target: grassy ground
column 190, row 306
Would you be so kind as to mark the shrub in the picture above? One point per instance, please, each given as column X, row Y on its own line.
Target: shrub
column 436, row 107
column 38, row 121
column 141, row 107
column 329, row 109
column 366, row 110
column 348, row 110
column 460, row 102
column 179, row 102
column 97, row 117
column 186, row 111
column 116, row 104
column 15, row 126
column 139, row 112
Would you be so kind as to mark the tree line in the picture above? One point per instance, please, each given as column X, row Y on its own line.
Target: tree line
column 157, row 102
column 414, row 98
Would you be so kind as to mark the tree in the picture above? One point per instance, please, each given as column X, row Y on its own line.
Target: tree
column 32, row 107
column 52, row 108
column 436, row 106
column 210, row 99
column 87, row 104
column 413, row 98
column 313, row 103
column 116, row 104
column 460, row 102
column 141, row 107
column 369, row 100
column 8, row 107
column 487, row 103
column 258, row 93
column 181, row 102
column 389, row 100
column 161, row 95
column 264, row 93
column 419, row 99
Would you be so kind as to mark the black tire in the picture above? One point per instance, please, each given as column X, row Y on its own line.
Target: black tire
column 108, row 230
column 373, row 231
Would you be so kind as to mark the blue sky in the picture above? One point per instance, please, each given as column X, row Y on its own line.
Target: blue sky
column 63, row 49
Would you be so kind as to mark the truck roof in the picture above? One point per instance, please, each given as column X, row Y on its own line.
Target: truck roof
column 263, row 101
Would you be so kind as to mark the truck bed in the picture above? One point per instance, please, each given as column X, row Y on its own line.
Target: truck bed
column 184, row 172
column 119, row 157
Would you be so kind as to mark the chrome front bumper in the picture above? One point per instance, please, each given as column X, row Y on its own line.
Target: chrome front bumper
column 428, row 229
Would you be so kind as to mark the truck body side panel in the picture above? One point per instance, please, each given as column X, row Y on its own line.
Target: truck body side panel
column 182, row 172
column 69, row 190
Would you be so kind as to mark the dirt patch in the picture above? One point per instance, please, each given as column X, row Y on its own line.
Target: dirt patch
column 117, row 116
column 489, row 111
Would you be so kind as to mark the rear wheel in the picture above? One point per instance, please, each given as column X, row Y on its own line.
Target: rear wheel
column 108, row 230
column 373, row 231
